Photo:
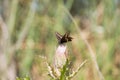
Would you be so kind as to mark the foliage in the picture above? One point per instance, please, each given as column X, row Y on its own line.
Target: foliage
column 25, row 78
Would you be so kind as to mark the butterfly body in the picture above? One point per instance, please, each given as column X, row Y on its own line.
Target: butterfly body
column 63, row 38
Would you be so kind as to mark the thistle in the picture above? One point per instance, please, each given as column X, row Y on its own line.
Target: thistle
column 61, row 53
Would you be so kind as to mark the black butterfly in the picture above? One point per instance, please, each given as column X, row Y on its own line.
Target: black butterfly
column 63, row 38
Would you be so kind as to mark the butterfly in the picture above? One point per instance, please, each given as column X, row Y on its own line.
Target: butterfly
column 63, row 38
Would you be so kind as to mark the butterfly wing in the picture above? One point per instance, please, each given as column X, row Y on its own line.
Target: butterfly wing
column 58, row 36
column 66, row 38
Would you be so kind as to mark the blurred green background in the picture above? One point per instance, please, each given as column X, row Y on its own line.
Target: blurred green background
column 27, row 30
